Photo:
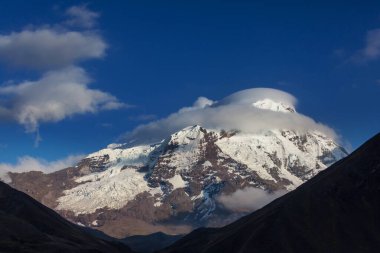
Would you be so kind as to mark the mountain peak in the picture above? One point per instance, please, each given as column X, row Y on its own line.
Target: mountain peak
column 181, row 176
column 188, row 133
column 250, row 96
column 269, row 104
column 262, row 98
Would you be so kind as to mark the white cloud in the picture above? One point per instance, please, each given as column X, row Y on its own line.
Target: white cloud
column 200, row 103
column 235, row 112
column 62, row 91
column 49, row 49
column 81, row 16
column 248, row 199
column 28, row 163
column 371, row 50
column 57, row 95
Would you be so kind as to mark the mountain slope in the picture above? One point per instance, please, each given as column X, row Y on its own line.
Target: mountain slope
column 174, row 185
column 28, row 226
column 336, row 211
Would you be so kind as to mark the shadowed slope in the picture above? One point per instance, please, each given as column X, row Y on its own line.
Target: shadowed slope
column 336, row 211
column 28, row 226
column 150, row 243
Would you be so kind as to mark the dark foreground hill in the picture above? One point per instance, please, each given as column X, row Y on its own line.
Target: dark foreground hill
column 336, row 211
column 150, row 243
column 28, row 226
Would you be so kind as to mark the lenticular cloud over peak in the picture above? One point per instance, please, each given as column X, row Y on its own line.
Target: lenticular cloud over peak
column 250, row 111
column 251, row 96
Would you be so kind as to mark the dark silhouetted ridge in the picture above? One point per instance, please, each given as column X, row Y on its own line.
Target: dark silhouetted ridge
column 28, row 226
column 150, row 243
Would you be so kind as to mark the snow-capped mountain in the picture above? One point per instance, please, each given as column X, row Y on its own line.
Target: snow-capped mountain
column 194, row 161
column 174, row 185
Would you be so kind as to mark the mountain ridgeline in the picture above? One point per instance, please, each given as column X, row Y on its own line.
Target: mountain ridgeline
column 336, row 211
column 174, row 185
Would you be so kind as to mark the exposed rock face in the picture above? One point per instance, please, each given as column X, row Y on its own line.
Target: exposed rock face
column 336, row 211
column 172, row 186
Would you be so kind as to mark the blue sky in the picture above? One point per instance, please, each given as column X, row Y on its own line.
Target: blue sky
column 160, row 56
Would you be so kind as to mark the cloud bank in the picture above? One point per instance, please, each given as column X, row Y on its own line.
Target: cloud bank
column 248, row 199
column 235, row 112
column 28, row 163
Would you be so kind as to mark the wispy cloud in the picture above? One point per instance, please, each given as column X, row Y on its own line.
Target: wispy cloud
column 81, row 16
column 371, row 49
column 143, row 117
column 248, row 199
column 28, row 163
column 106, row 125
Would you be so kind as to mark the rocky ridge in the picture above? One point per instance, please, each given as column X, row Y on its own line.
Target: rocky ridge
column 172, row 186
